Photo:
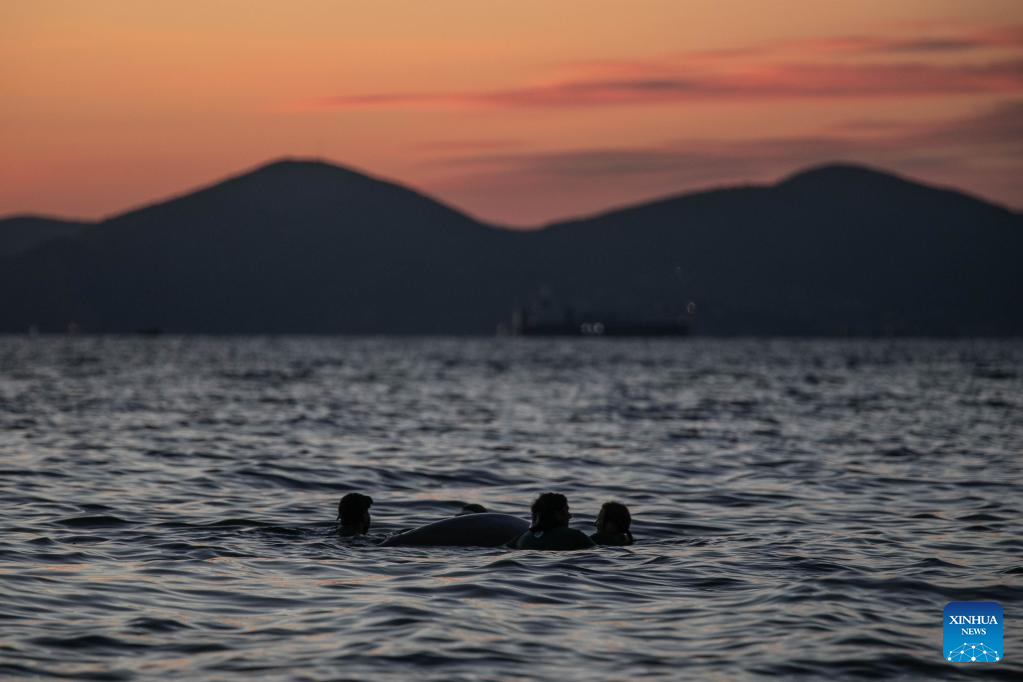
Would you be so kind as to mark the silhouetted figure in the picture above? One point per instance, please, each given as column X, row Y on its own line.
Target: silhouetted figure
column 612, row 524
column 353, row 514
column 550, row 526
column 472, row 508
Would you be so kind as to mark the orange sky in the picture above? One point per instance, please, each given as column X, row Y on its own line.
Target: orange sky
column 518, row 112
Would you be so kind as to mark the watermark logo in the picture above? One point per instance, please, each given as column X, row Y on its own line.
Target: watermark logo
column 972, row 632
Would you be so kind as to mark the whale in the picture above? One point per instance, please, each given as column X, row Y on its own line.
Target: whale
column 468, row 530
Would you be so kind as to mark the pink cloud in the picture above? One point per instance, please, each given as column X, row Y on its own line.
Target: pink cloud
column 781, row 70
column 770, row 82
column 981, row 153
column 466, row 145
column 994, row 131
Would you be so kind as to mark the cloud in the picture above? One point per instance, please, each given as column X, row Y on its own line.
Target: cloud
column 960, row 40
column 932, row 45
column 981, row 153
column 785, row 81
column 926, row 40
column 999, row 129
column 447, row 146
column 781, row 70
column 1000, row 126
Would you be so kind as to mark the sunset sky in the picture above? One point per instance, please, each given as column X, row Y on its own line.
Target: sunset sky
column 518, row 112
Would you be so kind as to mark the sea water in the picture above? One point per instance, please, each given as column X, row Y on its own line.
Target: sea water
column 801, row 508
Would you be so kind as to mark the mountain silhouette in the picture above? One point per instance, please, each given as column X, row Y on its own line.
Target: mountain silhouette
column 294, row 246
column 838, row 249
column 20, row 234
column 309, row 247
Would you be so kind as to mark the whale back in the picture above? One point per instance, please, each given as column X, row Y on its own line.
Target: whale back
column 469, row 530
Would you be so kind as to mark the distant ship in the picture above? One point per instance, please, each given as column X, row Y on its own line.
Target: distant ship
column 524, row 324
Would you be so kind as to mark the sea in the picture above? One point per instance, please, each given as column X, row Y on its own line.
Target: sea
column 803, row 509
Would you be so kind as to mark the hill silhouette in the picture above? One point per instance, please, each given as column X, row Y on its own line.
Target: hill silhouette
column 309, row 247
column 838, row 249
column 20, row 234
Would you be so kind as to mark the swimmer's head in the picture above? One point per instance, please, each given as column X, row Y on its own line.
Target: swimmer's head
column 353, row 514
column 472, row 508
column 614, row 519
column 550, row 510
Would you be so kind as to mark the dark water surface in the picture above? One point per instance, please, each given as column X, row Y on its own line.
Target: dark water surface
column 803, row 508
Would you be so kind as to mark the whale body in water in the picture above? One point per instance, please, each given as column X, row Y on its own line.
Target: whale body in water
column 469, row 530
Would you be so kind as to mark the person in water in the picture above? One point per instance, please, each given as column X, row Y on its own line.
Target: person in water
column 472, row 508
column 353, row 514
column 612, row 524
column 549, row 529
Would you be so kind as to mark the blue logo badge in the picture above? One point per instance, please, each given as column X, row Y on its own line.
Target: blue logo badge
column 972, row 632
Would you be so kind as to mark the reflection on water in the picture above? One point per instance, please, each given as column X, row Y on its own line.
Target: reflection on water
column 801, row 508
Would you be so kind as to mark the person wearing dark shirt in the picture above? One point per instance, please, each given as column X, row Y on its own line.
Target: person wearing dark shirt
column 549, row 529
column 353, row 514
column 612, row 524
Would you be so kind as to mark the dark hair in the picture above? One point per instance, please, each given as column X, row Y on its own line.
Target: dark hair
column 473, row 508
column 544, row 509
column 352, row 506
column 618, row 514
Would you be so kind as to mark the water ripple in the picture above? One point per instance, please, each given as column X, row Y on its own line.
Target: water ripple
column 803, row 508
